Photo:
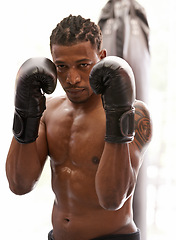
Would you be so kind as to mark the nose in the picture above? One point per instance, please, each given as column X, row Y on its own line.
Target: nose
column 73, row 76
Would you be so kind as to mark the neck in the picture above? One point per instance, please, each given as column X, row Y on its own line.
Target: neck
column 94, row 102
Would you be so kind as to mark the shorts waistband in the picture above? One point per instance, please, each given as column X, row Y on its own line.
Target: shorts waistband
column 130, row 236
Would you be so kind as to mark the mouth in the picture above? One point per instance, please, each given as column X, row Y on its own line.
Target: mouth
column 75, row 91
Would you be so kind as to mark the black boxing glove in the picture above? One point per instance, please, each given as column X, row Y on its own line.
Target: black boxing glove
column 34, row 75
column 113, row 78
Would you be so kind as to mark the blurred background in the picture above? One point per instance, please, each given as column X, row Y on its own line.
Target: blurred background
column 25, row 29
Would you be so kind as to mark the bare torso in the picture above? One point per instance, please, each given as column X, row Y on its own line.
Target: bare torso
column 75, row 143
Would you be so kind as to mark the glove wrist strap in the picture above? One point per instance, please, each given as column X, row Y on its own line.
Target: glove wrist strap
column 25, row 130
column 120, row 126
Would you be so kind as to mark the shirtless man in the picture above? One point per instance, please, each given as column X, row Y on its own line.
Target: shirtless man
column 94, row 159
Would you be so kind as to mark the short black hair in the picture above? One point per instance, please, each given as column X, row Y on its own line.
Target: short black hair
column 75, row 29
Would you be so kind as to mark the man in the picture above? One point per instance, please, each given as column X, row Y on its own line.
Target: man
column 94, row 155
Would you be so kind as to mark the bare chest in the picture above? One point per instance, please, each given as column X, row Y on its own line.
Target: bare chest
column 75, row 138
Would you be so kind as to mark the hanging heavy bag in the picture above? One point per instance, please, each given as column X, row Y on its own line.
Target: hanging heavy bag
column 126, row 34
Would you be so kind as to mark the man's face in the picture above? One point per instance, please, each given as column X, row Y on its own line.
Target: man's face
column 74, row 64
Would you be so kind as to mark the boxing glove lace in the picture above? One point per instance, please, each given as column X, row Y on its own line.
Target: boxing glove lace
column 113, row 78
column 35, row 77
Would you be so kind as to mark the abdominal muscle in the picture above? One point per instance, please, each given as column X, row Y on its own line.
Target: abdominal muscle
column 77, row 214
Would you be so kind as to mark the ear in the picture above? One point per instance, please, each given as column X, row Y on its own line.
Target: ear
column 102, row 54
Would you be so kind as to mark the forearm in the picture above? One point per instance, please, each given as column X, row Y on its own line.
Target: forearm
column 115, row 178
column 23, row 167
column 26, row 159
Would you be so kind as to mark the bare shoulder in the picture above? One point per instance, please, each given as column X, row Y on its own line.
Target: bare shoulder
column 52, row 102
column 143, row 126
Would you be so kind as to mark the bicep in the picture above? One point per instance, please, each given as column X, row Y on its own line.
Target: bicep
column 143, row 134
column 143, row 127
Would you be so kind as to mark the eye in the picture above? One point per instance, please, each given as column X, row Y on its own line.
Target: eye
column 61, row 67
column 84, row 65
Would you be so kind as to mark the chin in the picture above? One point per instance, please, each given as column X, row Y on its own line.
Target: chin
column 78, row 101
